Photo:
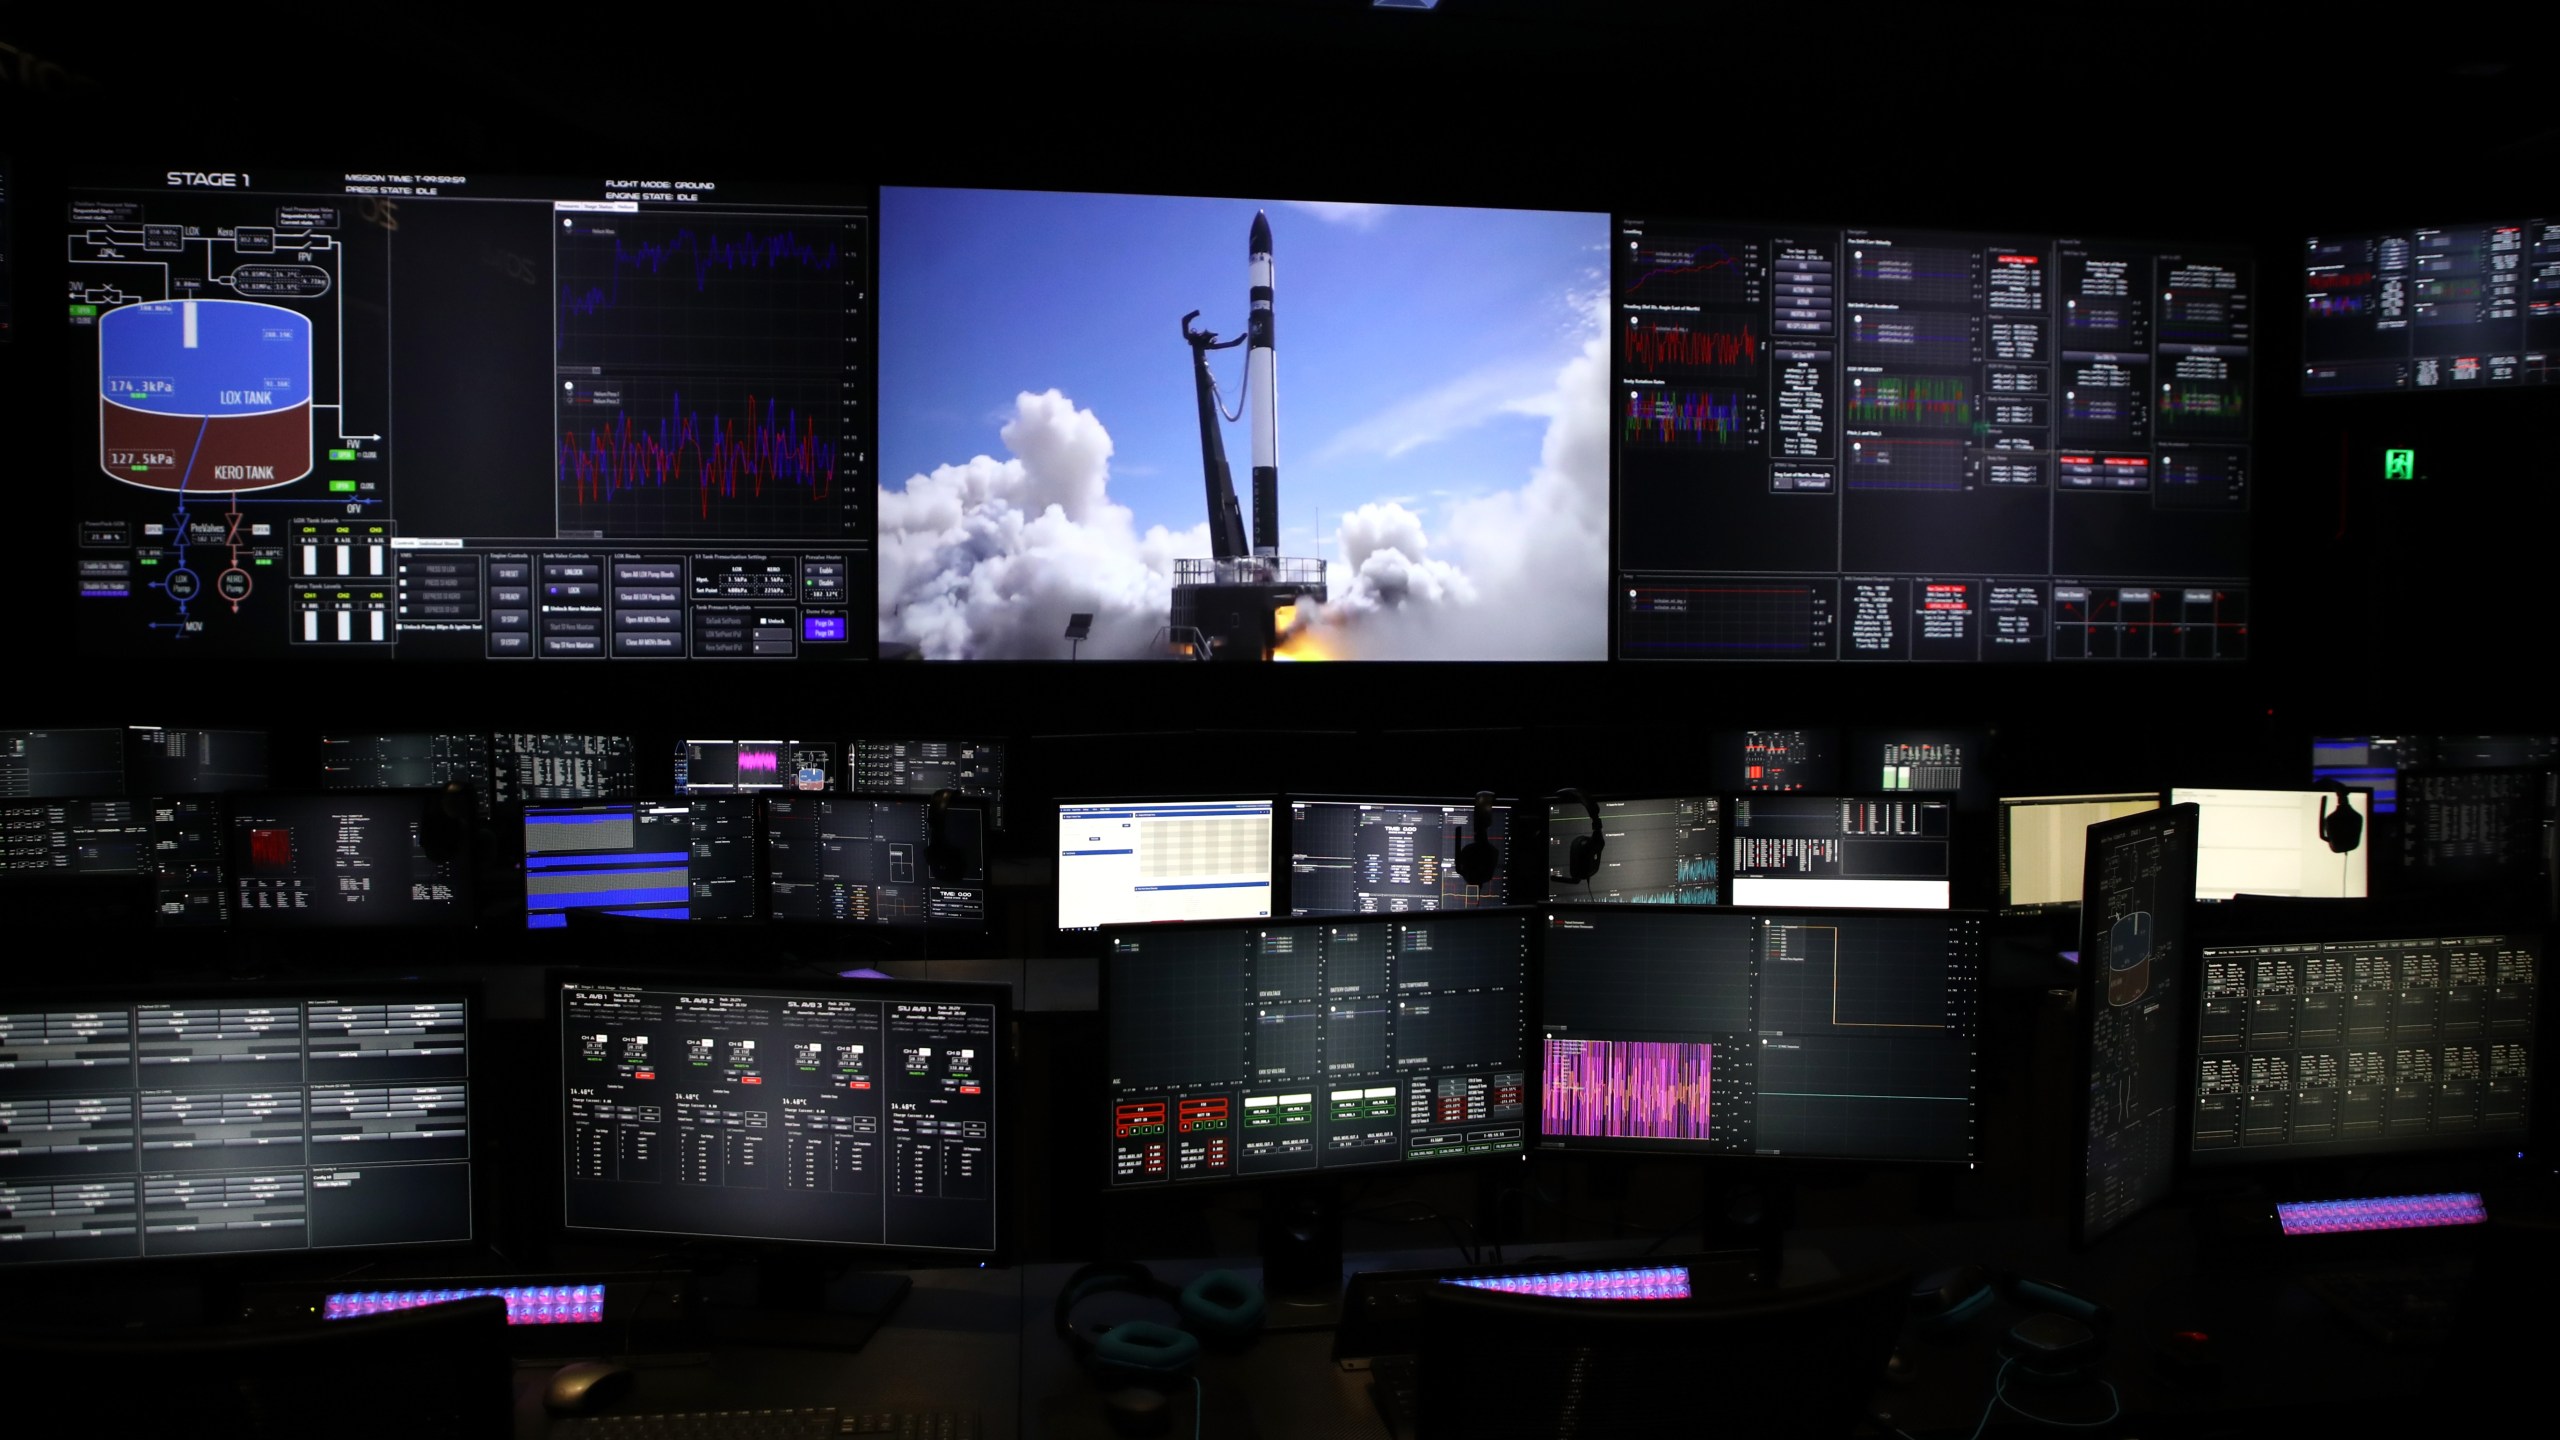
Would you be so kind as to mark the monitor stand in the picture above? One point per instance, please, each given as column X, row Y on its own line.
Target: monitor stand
column 799, row 1306
column 1302, row 1255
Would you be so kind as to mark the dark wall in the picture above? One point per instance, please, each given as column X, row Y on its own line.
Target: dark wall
column 2406, row 607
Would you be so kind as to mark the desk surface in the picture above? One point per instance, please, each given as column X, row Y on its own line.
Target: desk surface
column 984, row 1340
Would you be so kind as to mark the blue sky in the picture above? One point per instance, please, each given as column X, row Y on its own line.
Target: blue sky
column 1408, row 339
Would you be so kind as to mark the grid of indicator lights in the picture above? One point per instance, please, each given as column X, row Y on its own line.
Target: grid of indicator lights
column 526, row 1304
column 2382, row 1212
column 1651, row 1282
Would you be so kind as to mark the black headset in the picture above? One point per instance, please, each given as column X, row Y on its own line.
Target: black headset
column 1582, row 857
column 1221, row 1308
column 2342, row 828
column 1480, row 858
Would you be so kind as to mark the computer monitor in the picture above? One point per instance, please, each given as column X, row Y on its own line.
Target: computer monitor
column 522, row 421
column 871, row 859
column 2137, row 886
column 1362, row 856
column 342, row 860
column 1879, row 852
column 1919, row 759
column 1775, row 762
column 1667, row 851
column 1855, row 444
column 1305, row 1047
column 2360, row 762
column 60, row 764
column 862, row 1115
column 404, row 760
column 1148, row 861
column 894, row 766
column 1799, row 1034
column 2476, row 827
column 2042, row 845
column 189, row 889
column 2268, row 842
column 2427, row 308
column 206, row 1120
column 690, row 859
column 68, row 838
column 749, row 766
column 195, row 762
column 2336, row 1039
column 2374, row 762
column 561, row 767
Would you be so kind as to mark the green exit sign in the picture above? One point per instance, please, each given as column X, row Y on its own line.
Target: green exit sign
column 2399, row 464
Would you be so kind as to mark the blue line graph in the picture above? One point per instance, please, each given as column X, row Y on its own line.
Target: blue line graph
column 705, row 254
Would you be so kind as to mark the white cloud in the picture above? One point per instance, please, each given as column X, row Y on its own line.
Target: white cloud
column 1342, row 212
column 1444, row 410
column 987, row 558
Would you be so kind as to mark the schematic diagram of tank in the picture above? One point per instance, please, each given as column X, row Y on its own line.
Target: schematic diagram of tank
column 220, row 384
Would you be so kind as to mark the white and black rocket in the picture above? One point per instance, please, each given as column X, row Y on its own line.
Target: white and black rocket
column 1262, row 392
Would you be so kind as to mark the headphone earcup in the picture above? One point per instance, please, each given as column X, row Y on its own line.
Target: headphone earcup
column 1139, row 1351
column 1582, row 859
column 1222, row 1307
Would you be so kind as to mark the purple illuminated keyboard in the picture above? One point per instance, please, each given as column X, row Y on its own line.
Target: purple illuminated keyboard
column 2381, row 1212
column 1645, row 1282
column 526, row 1304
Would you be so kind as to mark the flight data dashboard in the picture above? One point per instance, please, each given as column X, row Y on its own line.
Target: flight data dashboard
column 2431, row 307
column 1389, row 857
column 1777, row 1033
column 220, row 1123
column 1297, row 1046
column 868, row 860
column 1870, row 852
column 338, row 861
column 462, row 417
column 1843, row 444
column 691, row 859
column 2310, row 1047
column 729, row 1110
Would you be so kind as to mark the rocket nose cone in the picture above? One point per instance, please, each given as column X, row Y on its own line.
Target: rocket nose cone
column 1261, row 241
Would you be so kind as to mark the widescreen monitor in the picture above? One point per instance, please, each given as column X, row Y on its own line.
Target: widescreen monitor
column 2137, row 887
column 855, row 1114
column 527, row 767
column 1861, row 444
column 1149, row 861
column 2476, row 827
column 557, row 422
column 890, row 861
column 691, row 859
column 215, row 1120
column 2335, row 1040
column 161, row 761
column 908, row 766
column 1801, row 1034
column 341, row 860
column 62, row 838
column 56, row 764
column 1376, row 856
column 1666, row 851
column 2423, row 308
column 1872, row 852
column 2269, row 842
column 1075, row 455
column 1764, row 762
column 2042, row 839
column 717, row 767
column 404, row 760
column 1298, row 1047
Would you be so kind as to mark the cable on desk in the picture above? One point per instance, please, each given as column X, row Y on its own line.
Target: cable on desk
column 2000, row 1400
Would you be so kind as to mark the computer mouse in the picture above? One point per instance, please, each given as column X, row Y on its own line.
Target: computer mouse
column 585, row 1387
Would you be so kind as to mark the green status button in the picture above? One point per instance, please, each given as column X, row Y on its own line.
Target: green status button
column 84, row 309
column 342, row 487
column 348, row 454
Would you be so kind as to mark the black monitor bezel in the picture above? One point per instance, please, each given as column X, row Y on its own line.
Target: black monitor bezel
column 2089, row 992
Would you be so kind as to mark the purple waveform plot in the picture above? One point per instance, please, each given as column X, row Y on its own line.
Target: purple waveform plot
column 748, row 251
column 721, row 457
column 763, row 762
column 1628, row 1089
